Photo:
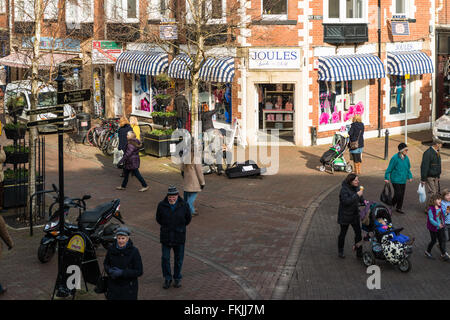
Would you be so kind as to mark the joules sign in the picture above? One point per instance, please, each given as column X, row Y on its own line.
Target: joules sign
column 274, row 59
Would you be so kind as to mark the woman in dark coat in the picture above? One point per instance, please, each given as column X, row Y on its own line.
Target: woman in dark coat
column 350, row 197
column 131, row 162
column 124, row 128
column 356, row 133
column 123, row 264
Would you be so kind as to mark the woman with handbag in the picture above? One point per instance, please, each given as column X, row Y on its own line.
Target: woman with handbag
column 356, row 134
column 398, row 172
column 350, row 198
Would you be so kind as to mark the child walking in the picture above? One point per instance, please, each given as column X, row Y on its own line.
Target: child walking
column 436, row 226
column 445, row 205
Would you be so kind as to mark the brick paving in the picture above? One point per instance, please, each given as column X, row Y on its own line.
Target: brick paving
column 237, row 246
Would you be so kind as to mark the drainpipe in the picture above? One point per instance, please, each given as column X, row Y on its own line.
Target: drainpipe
column 434, row 54
column 379, row 80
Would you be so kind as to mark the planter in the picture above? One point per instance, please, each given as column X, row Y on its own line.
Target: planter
column 16, row 157
column 15, row 193
column 15, row 134
column 163, row 102
column 159, row 146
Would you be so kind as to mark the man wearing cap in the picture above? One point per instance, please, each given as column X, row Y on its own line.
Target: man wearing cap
column 398, row 172
column 123, row 264
column 173, row 215
column 430, row 168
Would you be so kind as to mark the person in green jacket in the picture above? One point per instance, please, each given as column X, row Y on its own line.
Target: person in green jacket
column 398, row 172
column 430, row 168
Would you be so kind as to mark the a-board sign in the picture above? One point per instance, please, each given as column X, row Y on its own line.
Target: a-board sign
column 57, row 120
column 74, row 96
column 55, row 109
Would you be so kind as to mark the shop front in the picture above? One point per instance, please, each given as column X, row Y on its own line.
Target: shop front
column 273, row 89
column 442, row 72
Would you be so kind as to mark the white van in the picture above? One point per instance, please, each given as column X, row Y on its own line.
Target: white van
column 23, row 88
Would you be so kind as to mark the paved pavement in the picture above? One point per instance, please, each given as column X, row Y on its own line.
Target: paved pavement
column 244, row 243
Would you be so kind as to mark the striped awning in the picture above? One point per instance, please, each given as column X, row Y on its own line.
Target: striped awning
column 46, row 61
column 413, row 62
column 350, row 67
column 213, row 70
column 140, row 62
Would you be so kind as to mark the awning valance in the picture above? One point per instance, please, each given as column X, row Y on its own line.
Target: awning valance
column 350, row 67
column 213, row 70
column 47, row 60
column 140, row 62
column 413, row 62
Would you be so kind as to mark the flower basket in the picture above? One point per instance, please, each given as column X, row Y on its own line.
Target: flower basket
column 16, row 155
column 15, row 131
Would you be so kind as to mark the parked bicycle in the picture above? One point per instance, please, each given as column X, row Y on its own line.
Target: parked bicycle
column 104, row 136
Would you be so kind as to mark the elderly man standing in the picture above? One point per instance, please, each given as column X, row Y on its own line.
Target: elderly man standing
column 430, row 168
column 173, row 215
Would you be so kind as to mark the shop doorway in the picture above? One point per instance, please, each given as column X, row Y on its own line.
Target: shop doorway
column 118, row 94
column 276, row 110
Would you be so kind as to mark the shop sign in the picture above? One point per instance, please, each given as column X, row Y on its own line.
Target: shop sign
column 76, row 243
column 168, row 32
column 48, row 43
column 274, row 59
column 400, row 28
column 105, row 52
column 312, row 17
column 404, row 46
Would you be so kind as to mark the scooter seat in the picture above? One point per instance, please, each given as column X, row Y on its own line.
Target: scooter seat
column 92, row 215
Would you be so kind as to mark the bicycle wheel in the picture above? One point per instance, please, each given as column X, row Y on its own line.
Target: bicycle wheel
column 89, row 138
column 113, row 143
column 102, row 138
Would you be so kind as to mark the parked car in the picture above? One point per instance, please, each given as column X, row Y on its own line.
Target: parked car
column 23, row 88
column 441, row 127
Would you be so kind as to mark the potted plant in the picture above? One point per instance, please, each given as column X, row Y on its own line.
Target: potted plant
column 15, row 131
column 158, row 142
column 15, row 104
column 162, row 81
column 171, row 118
column 17, row 154
column 15, row 187
column 163, row 100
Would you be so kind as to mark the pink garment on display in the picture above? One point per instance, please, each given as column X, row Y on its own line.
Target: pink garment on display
column 359, row 108
column 324, row 117
column 145, row 106
column 336, row 116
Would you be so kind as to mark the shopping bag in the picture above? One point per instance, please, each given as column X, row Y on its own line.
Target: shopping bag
column 422, row 193
column 386, row 194
column 118, row 154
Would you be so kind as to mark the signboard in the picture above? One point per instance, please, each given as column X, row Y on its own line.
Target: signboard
column 400, row 28
column 48, row 43
column 74, row 96
column 105, row 52
column 404, row 46
column 315, row 17
column 55, row 109
column 168, row 32
column 77, row 244
column 57, row 120
column 288, row 59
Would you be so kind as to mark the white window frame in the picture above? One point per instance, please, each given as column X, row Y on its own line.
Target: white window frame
column 190, row 19
column 24, row 12
column 154, row 10
column 274, row 17
column 85, row 16
column 342, row 13
column 412, row 100
column 365, row 117
column 407, row 8
column 121, row 16
column 2, row 6
column 134, row 111
column 49, row 10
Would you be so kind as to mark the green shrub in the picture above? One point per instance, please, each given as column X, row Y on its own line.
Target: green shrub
column 13, row 126
column 11, row 149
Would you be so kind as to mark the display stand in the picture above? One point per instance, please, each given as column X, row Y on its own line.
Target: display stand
column 236, row 133
column 275, row 121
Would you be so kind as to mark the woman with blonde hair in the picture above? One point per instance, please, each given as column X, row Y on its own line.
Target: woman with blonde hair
column 356, row 134
column 135, row 125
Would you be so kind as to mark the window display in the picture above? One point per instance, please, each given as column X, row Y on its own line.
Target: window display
column 399, row 92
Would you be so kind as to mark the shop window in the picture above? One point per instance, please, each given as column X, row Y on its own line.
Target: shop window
column 143, row 96
column 400, row 92
column 339, row 102
column 213, row 96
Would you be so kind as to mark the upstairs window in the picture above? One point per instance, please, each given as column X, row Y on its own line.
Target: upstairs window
column 345, row 11
column 157, row 9
column 213, row 11
column 24, row 10
column 122, row 11
column 79, row 11
column 274, row 9
column 51, row 10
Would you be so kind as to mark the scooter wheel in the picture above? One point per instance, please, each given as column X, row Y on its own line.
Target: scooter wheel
column 348, row 168
column 46, row 252
column 368, row 258
column 404, row 265
column 322, row 168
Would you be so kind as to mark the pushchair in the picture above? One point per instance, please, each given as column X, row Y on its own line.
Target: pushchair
column 333, row 158
column 380, row 245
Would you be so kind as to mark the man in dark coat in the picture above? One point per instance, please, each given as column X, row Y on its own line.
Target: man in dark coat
column 350, row 197
column 173, row 215
column 123, row 264
column 207, row 122
column 430, row 168
column 181, row 106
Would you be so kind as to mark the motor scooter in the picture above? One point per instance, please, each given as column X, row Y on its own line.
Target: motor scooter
column 93, row 222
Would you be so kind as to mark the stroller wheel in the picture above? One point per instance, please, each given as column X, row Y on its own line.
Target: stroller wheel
column 404, row 265
column 349, row 168
column 368, row 258
column 322, row 168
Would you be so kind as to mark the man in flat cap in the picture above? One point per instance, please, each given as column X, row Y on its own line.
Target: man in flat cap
column 430, row 168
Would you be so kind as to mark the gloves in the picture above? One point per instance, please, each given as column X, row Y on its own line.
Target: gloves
column 115, row 272
column 202, row 186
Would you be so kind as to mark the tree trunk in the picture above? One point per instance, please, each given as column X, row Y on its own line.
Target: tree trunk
column 33, row 135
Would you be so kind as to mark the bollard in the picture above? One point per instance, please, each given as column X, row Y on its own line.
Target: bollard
column 313, row 136
column 386, row 144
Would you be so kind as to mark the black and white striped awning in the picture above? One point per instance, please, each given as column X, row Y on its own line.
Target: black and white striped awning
column 140, row 62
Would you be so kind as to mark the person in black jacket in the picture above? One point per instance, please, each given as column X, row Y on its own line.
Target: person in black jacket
column 124, row 128
column 350, row 197
column 173, row 215
column 123, row 264
column 356, row 133
column 181, row 107
column 430, row 168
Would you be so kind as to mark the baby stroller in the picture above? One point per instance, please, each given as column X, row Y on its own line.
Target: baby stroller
column 380, row 245
column 334, row 157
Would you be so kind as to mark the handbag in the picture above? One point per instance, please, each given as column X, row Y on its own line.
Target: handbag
column 386, row 194
column 102, row 284
column 355, row 144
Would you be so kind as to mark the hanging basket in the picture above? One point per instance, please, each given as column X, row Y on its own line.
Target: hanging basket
column 15, row 133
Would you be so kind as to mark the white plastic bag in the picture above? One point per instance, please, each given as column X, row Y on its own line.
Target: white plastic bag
column 118, row 154
column 422, row 193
